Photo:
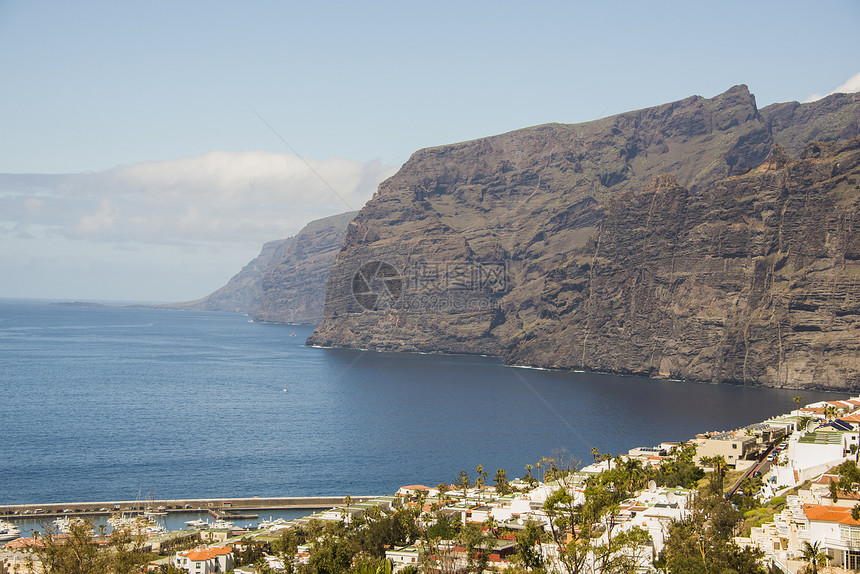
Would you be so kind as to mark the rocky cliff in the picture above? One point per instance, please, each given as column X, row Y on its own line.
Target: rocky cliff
column 293, row 288
column 673, row 241
column 243, row 293
column 286, row 282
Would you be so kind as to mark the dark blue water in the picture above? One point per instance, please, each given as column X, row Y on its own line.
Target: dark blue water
column 106, row 403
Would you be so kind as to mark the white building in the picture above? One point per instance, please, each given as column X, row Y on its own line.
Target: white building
column 830, row 526
column 403, row 557
column 812, row 454
column 205, row 560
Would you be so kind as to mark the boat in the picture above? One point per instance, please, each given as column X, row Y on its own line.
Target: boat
column 276, row 524
column 64, row 523
column 198, row 523
column 222, row 524
column 135, row 524
column 8, row 531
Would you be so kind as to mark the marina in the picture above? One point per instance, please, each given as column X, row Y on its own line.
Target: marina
column 219, row 508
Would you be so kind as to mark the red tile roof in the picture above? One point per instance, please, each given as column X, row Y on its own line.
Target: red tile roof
column 826, row 479
column 199, row 554
column 821, row 513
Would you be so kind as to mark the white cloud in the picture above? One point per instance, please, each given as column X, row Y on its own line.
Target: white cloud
column 163, row 231
column 218, row 197
column 849, row 87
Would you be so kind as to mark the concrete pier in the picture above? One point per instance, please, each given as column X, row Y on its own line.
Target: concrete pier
column 176, row 505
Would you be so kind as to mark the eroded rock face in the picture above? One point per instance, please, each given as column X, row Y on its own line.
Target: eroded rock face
column 754, row 280
column 671, row 241
column 286, row 282
column 293, row 287
column 243, row 293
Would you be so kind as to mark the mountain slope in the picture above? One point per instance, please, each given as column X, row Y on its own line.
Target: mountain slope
column 286, row 282
column 532, row 203
column 293, row 288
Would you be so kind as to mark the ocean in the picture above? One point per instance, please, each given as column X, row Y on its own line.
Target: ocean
column 106, row 403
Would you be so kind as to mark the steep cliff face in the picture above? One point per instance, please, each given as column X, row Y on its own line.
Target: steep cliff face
column 293, row 287
column 755, row 280
column 492, row 245
column 243, row 292
column 286, row 282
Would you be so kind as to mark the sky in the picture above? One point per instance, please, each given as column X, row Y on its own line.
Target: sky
column 149, row 149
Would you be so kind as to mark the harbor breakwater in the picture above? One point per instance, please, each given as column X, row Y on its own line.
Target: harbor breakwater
column 225, row 505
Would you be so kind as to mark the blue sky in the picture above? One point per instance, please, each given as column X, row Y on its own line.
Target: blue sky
column 161, row 98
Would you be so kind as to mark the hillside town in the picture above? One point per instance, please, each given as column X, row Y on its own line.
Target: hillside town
column 791, row 482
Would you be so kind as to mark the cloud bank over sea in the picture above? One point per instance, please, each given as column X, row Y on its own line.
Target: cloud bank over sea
column 217, row 197
column 218, row 207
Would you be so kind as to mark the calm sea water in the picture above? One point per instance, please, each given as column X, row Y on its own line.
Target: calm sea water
column 106, row 403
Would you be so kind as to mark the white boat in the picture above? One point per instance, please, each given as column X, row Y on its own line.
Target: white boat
column 135, row 524
column 8, row 531
column 64, row 523
column 222, row 525
column 198, row 523
column 276, row 524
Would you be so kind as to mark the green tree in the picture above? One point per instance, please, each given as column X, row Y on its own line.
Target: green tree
column 702, row 542
column 570, row 530
column 287, row 544
column 797, row 409
column 78, row 553
column 679, row 469
column 529, row 543
column 479, row 479
column 373, row 566
column 813, row 556
column 248, row 554
column 443, row 490
column 717, row 476
column 528, row 476
column 744, row 498
column 332, row 555
column 437, row 536
column 397, row 529
column 629, row 551
column 501, row 480
column 464, row 482
column 477, row 546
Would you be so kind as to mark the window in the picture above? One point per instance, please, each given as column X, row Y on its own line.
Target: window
column 849, row 533
column 852, row 559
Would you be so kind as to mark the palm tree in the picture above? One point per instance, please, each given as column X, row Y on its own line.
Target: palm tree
column 813, row 555
column 479, row 480
column 501, row 480
column 529, row 473
column 463, row 481
column 443, row 489
column 595, row 453
column 797, row 409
